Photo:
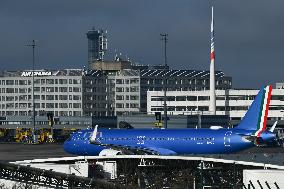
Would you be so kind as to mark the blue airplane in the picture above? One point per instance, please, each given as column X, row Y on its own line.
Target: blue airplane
column 251, row 131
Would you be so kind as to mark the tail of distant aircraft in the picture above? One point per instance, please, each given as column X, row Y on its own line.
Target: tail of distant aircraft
column 256, row 116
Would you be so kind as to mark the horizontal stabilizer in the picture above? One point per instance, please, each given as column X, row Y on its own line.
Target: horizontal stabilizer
column 256, row 140
column 273, row 126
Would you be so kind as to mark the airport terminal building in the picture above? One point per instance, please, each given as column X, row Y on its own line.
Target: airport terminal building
column 63, row 87
column 232, row 102
column 78, row 92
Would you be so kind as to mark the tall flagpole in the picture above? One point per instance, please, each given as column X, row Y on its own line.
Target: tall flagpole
column 212, row 106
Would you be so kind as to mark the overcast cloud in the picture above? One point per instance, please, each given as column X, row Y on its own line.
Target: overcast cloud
column 248, row 34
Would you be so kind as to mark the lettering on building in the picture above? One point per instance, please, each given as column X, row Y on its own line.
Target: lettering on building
column 42, row 73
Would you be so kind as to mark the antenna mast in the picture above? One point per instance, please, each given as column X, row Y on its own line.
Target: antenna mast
column 165, row 39
column 212, row 106
column 33, row 45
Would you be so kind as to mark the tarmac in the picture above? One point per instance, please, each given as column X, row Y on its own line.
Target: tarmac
column 15, row 151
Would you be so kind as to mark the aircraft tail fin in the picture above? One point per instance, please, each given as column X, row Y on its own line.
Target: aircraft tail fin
column 256, row 116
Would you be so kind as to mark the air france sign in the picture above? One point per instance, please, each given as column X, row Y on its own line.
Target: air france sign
column 42, row 73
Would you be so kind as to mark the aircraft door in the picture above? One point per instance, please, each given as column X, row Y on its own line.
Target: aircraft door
column 227, row 139
column 140, row 139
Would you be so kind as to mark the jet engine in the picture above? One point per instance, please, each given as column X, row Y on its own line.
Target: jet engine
column 110, row 152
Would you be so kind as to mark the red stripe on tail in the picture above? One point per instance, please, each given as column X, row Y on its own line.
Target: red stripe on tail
column 266, row 110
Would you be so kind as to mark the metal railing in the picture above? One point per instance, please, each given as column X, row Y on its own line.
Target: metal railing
column 40, row 177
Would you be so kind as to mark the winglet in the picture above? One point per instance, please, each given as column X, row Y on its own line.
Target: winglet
column 94, row 135
column 273, row 126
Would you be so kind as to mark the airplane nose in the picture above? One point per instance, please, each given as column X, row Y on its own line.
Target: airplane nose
column 67, row 147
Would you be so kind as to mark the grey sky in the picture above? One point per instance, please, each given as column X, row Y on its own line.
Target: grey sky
column 248, row 34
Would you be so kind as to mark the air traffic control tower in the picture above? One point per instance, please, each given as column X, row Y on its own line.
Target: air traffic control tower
column 97, row 45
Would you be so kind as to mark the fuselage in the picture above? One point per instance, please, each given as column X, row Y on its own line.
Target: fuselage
column 249, row 132
column 171, row 141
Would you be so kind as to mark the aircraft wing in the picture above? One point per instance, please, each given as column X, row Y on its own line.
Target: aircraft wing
column 130, row 149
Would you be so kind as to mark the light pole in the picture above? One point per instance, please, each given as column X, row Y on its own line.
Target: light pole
column 33, row 92
column 165, row 39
